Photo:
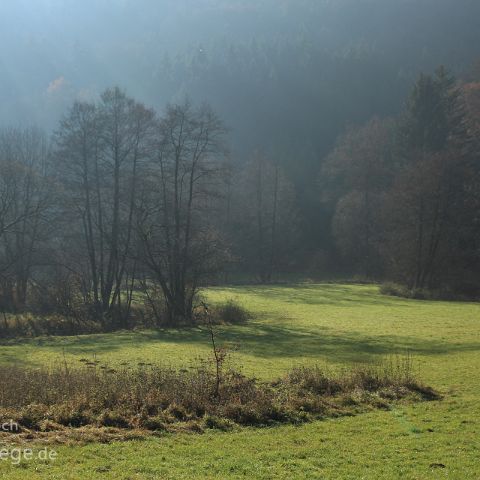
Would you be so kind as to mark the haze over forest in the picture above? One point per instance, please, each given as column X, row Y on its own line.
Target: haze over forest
column 295, row 82
column 281, row 73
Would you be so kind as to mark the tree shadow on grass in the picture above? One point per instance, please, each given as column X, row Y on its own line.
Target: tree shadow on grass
column 338, row 295
column 327, row 294
column 14, row 359
column 261, row 340
column 272, row 341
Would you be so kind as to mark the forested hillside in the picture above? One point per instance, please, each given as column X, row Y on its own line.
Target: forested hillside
column 340, row 146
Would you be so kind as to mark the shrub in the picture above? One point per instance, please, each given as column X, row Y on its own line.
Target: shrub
column 231, row 313
column 218, row 423
column 31, row 416
column 395, row 290
column 445, row 293
column 154, row 424
column 161, row 399
column 313, row 380
column 154, row 307
column 70, row 415
column 113, row 419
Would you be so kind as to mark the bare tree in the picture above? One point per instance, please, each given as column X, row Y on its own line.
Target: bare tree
column 127, row 129
column 266, row 216
column 423, row 214
column 361, row 168
column 25, row 197
column 179, row 244
column 101, row 148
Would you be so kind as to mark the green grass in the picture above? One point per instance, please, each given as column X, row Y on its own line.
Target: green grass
column 297, row 324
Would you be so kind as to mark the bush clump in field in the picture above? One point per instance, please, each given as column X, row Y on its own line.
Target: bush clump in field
column 230, row 313
column 447, row 294
column 152, row 398
column 395, row 290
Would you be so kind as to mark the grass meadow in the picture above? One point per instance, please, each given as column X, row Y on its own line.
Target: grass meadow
column 293, row 325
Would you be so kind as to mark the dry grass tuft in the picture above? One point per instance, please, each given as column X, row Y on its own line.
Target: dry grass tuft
column 102, row 404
